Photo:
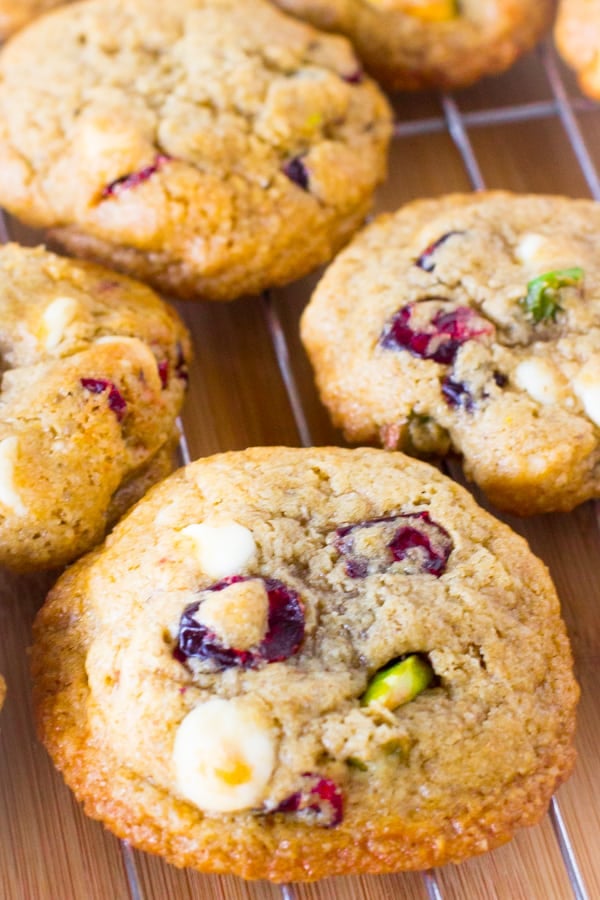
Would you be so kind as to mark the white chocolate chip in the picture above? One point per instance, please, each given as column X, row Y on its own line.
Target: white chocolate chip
column 541, row 380
column 224, row 755
column 56, row 318
column 238, row 615
column 9, row 496
column 528, row 248
column 586, row 385
column 222, row 549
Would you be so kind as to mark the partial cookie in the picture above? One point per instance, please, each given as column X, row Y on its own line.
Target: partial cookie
column 577, row 36
column 472, row 323
column 14, row 14
column 288, row 664
column 408, row 44
column 93, row 376
column 2, row 691
column 211, row 147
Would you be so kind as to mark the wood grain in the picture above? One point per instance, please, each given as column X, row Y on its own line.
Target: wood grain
column 48, row 849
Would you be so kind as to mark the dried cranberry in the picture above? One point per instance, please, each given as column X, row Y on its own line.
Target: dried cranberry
column 412, row 536
column 426, row 260
column 441, row 341
column 163, row 372
column 356, row 77
column 283, row 638
column 297, row 172
column 319, row 800
column 133, row 179
column 456, row 393
column 116, row 401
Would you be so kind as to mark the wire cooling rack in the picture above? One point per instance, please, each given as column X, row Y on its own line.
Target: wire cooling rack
column 458, row 123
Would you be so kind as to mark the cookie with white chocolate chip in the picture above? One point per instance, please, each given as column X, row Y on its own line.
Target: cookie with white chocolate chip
column 472, row 322
column 408, row 44
column 294, row 663
column 93, row 376
column 211, row 148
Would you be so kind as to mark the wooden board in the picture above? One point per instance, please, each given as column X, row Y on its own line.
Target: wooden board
column 239, row 396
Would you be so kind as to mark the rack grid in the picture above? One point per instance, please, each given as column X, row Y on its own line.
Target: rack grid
column 458, row 123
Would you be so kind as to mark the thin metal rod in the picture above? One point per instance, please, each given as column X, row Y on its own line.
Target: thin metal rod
column 459, row 135
column 287, row 892
column 135, row 890
column 431, row 885
column 283, row 361
column 183, row 447
column 567, row 852
column 569, row 122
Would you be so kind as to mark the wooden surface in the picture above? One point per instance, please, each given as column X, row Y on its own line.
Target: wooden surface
column 238, row 398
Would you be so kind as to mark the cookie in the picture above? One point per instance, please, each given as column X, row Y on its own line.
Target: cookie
column 210, row 147
column 288, row 664
column 2, row 691
column 409, row 44
column 14, row 14
column 93, row 376
column 472, row 323
column 577, row 36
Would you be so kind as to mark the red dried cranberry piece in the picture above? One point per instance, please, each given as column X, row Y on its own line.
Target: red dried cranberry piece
column 283, row 638
column 456, row 393
column 319, row 800
column 356, row 77
column 133, row 179
column 297, row 172
column 408, row 535
column 448, row 331
column 116, row 401
column 163, row 372
column 426, row 260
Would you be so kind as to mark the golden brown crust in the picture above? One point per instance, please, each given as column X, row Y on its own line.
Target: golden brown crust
column 577, row 36
column 145, row 811
column 405, row 52
column 14, row 14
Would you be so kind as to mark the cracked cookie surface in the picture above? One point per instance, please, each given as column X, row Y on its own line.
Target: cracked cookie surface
column 210, row 147
column 471, row 322
column 93, row 376
column 289, row 664
column 577, row 35
column 408, row 44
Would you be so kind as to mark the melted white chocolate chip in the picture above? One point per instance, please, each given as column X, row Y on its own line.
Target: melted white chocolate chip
column 56, row 318
column 9, row 495
column 238, row 615
column 222, row 549
column 586, row 385
column 541, row 380
column 224, row 754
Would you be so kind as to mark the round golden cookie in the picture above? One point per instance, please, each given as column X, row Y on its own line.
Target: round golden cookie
column 93, row 376
column 472, row 323
column 408, row 44
column 577, row 36
column 14, row 14
column 210, row 147
column 289, row 664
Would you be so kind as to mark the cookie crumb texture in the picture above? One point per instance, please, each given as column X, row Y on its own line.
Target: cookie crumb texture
column 410, row 44
column 577, row 36
column 14, row 14
column 93, row 376
column 210, row 147
column 295, row 759
column 471, row 322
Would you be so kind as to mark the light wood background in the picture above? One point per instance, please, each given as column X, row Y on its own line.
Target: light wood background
column 238, row 398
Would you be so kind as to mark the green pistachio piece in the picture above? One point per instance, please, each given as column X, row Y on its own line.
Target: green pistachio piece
column 399, row 683
column 355, row 763
column 543, row 293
